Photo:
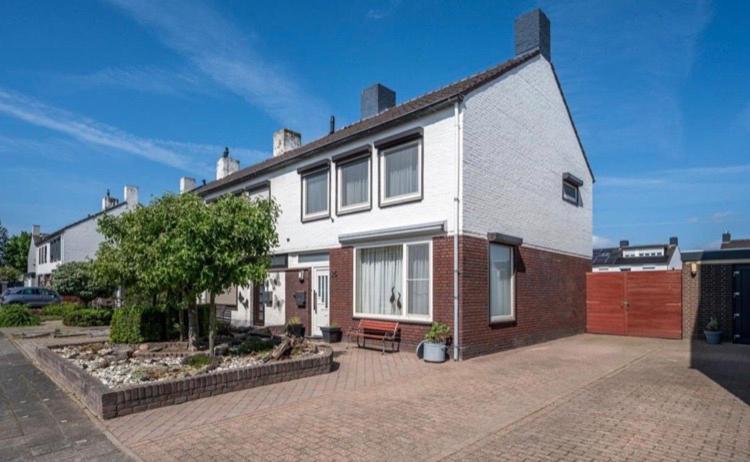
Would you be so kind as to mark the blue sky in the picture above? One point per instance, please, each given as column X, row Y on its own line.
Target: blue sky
column 98, row 94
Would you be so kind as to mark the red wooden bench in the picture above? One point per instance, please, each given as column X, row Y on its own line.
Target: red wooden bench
column 385, row 331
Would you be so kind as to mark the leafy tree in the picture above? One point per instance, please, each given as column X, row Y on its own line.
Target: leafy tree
column 79, row 279
column 17, row 251
column 242, row 235
column 3, row 242
column 8, row 274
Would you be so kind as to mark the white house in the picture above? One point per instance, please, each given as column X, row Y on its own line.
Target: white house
column 647, row 257
column 77, row 241
column 470, row 205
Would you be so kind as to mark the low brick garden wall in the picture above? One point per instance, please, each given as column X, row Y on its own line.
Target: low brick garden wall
column 107, row 403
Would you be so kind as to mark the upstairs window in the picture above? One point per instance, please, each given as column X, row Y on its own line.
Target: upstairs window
column 570, row 189
column 315, row 193
column 55, row 250
column 401, row 173
column 354, row 185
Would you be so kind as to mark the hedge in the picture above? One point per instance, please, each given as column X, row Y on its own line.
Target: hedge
column 17, row 316
column 136, row 324
column 87, row 317
column 61, row 309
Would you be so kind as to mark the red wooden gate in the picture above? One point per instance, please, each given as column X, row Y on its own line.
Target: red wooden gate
column 638, row 303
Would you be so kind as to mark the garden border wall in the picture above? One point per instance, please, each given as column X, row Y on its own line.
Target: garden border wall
column 108, row 403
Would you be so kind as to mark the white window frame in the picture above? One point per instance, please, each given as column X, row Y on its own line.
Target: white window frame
column 567, row 198
column 507, row 317
column 366, row 205
column 405, row 316
column 323, row 213
column 410, row 197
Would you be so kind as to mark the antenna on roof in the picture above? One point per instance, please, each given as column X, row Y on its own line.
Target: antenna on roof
column 226, row 152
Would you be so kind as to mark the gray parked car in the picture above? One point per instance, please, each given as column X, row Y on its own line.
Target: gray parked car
column 31, row 296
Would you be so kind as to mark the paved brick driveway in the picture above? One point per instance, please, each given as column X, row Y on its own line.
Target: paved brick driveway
column 581, row 398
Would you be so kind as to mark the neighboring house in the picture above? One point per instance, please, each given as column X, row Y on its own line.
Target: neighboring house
column 728, row 243
column 649, row 257
column 716, row 283
column 77, row 241
column 470, row 205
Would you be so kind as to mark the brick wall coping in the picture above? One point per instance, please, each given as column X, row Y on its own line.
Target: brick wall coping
column 108, row 403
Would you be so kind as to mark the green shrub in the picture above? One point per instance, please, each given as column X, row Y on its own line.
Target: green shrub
column 136, row 324
column 198, row 361
column 60, row 309
column 438, row 333
column 254, row 345
column 17, row 316
column 88, row 317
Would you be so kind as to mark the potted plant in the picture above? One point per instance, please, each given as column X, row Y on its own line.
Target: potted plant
column 294, row 327
column 331, row 333
column 712, row 331
column 434, row 345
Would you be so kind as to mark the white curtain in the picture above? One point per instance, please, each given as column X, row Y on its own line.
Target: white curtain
column 418, row 279
column 500, row 280
column 379, row 276
column 354, row 182
column 401, row 171
column 316, row 192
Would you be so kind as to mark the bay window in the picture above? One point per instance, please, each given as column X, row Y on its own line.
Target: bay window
column 401, row 173
column 501, row 283
column 354, row 185
column 394, row 281
column 315, row 195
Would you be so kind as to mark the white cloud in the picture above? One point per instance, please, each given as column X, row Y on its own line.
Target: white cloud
column 221, row 51
column 599, row 242
column 377, row 14
column 193, row 157
column 143, row 79
column 720, row 217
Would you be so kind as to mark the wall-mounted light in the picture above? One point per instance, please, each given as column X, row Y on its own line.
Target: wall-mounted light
column 301, row 276
column 693, row 269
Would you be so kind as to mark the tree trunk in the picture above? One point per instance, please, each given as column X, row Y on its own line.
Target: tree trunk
column 181, row 314
column 211, row 323
column 192, row 324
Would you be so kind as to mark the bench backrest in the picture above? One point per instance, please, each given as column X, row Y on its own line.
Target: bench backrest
column 375, row 325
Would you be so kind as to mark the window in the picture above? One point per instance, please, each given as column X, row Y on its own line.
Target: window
column 315, row 195
column 502, row 303
column 570, row 192
column 401, row 173
column 394, row 281
column 42, row 254
column 55, row 250
column 354, row 185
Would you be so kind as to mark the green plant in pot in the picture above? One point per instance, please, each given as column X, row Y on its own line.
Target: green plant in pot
column 435, row 342
column 713, row 332
column 294, row 327
column 331, row 333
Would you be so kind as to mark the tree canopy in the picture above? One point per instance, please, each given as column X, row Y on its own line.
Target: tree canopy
column 17, row 251
column 79, row 279
column 3, row 242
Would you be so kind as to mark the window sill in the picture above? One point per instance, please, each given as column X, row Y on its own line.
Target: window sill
column 400, row 200
column 310, row 218
column 497, row 320
column 354, row 209
column 424, row 321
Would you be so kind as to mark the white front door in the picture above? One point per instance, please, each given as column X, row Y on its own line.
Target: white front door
column 321, row 314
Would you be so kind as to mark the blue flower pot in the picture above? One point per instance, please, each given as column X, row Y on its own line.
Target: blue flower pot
column 713, row 337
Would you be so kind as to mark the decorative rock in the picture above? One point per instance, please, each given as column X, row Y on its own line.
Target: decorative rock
column 221, row 350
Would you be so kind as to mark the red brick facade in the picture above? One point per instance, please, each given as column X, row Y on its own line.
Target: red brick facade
column 708, row 293
column 550, row 296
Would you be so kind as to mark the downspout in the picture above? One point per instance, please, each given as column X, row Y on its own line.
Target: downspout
column 457, row 200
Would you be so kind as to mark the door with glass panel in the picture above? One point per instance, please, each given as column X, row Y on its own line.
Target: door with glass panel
column 321, row 297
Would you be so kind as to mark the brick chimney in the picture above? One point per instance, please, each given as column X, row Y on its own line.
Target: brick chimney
column 108, row 201
column 226, row 165
column 186, row 184
column 285, row 140
column 673, row 241
column 726, row 237
column 532, row 31
column 130, row 196
column 376, row 99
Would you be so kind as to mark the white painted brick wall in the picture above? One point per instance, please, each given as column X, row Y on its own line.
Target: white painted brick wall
column 437, row 205
column 518, row 141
